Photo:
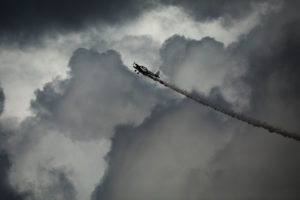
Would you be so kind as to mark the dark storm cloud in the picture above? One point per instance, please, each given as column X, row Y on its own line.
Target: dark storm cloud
column 213, row 9
column 272, row 51
column 2, row 98
column 255, row 165
column 24, row 20
column 153, row 160
column 273, row 74
column 182, row 150
column 7, row 192
column 61, row 187
column 187, row 152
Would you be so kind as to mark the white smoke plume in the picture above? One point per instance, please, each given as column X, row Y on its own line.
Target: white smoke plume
column 231, row 113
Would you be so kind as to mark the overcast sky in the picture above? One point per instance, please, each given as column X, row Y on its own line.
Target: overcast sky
column 76, row 123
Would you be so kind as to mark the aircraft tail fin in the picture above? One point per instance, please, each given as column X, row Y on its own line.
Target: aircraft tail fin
column 157, row 74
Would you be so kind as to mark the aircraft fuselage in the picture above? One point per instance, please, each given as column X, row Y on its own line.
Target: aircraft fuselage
column 144, row 70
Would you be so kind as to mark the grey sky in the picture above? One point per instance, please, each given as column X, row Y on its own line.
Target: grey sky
column 77, row 123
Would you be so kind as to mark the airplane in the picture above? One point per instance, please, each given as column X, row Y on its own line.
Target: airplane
column 141, row 69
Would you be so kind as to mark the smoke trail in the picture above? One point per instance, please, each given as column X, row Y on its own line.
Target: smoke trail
column 231, row 113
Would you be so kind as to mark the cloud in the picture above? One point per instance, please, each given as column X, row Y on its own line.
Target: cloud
column 153, row 161
column 43, row 150
column 23, row 68
column 184, row 151
column 164, row 147
column 61, row 187
column 271, row 52
column 101, row 93
column 2, row 98
column 77, row 116
column 24, row 21
column 6, row 191
column 203, row 65
column 162, row 22
column 208, row 10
